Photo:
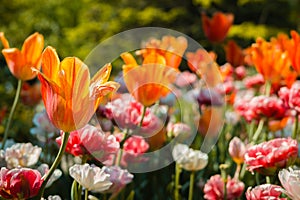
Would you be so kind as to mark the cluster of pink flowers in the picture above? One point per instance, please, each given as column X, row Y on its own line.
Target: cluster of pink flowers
column 260, row 107
column 268, row 157
column 214, row 188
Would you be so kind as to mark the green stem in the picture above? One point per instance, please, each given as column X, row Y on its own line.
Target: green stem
column 237, row 171
column 268, row 179
column 55, row 163
column 74, row 191
column 192, row 179
column 251, row 130
column 258, row 130
column 13, row 108
column 143, row 115
column 223, row 168
column 177, row 177
column 257, row 178
column 268, row 87
column 119, row 157
column 296, row 124
column 243, row 171
column 86, row 193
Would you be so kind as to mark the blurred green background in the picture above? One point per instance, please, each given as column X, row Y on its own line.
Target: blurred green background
column 74, row 28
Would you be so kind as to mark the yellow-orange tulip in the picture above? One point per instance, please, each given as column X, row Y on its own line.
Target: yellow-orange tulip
column 216, row 28
column 20, row 63
column 69, row 95
column 169, row 47
column 149, row 82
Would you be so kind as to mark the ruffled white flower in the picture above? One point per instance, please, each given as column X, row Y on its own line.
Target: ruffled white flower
column 22, row 155
column 174, row 130
column 189, row 159
column 290, row 181
column 92, row 178
column 54, row 197
column 119, row 177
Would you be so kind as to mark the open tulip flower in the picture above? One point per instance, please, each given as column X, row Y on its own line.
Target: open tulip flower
column 170, row 47
column 149, row 82
column 20, row 63
column 270, row 61
column 69, row 95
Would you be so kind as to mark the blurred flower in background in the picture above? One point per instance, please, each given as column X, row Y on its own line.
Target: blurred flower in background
column 189, row 159
column 20, row 63
column 217, row 27
column 214, row 188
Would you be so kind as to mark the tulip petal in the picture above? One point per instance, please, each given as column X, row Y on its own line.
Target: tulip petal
column 128, row 59
column 98, row 92
column 15, row 63
column 130, row 62
column 154, row 58
column 4, row 40
column 102, row 75
column 75, row 78
column 50, row 64
column 32, row 49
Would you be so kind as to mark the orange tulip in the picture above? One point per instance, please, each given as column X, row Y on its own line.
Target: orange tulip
column 20, row 63
column 69, row 95
column 216, row 28
column 234, row 54
column 198, row 59
column 171, row 48
column 293, row 48
column 149, row 82
column 204, row 65
column 211, row 121
column 270, row 61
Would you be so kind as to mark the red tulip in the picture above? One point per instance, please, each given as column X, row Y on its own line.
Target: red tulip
column 19, row 183
column 216, row 28
column 234, row 54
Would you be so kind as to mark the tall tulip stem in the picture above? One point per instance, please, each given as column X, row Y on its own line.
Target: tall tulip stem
column 177, row 184
column 55, row 163
column 13, row 108
column 192, row 179
column 295, row 128
column 86, row 194
column 258, row 130
column 143, row 115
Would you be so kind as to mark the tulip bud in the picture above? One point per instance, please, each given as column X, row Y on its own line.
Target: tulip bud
column 237, row 150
